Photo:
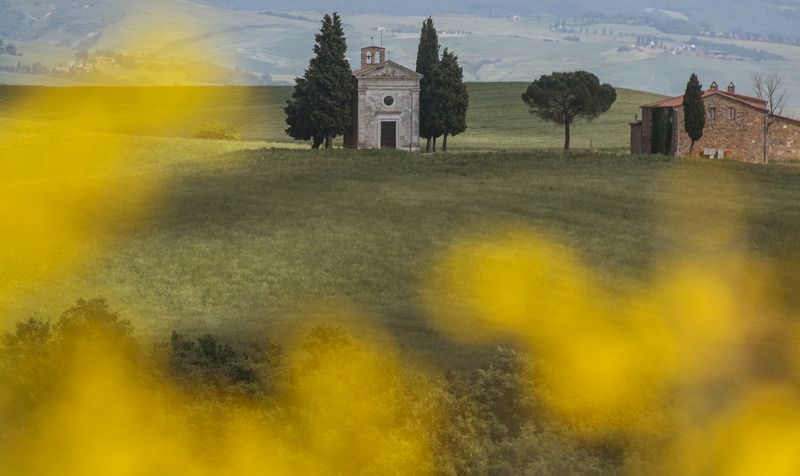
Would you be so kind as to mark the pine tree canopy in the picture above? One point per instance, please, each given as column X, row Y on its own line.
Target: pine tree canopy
column 565, row 98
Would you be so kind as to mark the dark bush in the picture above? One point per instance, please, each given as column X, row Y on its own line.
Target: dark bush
column 216, row 131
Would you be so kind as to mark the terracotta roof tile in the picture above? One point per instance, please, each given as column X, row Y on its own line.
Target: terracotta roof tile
column 677, row 101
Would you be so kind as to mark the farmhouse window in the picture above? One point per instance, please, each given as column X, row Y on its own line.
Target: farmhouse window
column 732, row 113
column 712, row 113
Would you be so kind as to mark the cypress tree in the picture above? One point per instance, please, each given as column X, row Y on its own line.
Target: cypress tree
column 658, row 133
column 454, row 95
column 321, row 105
column 428, row 66
column 694, row 111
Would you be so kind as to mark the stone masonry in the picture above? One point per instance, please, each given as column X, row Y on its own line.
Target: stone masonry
column 736, row 128
column 386, row 107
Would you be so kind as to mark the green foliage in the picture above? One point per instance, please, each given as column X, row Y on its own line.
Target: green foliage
column 210, row 366
column 32, row 356
column 92, row 321
column 480, row 421
column 543, row 451
column 565, row 98
column 694, row 110
column 217, row 131
column 321, row 105
column 28, row 337
column 454, row 96
column 298, row 115
column 495, row 428
column 429, row 66
column 661, row 133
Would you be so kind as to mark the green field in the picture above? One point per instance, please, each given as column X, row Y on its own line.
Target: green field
column 239, row 237
column 498, row 119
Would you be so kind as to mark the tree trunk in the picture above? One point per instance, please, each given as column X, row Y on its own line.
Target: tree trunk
column 317, row 142
column 566, row 135
column 428, row 144
column 328, row 141
column 444, row 143
column 434, row 143
column 691, row 149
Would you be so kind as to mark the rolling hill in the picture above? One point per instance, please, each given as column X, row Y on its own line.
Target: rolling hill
column 497, row 119
column 237, row 238
column 269, row 47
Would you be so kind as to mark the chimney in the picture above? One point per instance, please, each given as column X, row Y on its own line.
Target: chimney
column 713, row 87
column 731, row 88
column 372, row 55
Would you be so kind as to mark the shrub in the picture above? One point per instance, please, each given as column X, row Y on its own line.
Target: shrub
column 216, row 130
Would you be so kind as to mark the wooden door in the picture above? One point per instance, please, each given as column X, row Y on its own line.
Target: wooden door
column 388, row 135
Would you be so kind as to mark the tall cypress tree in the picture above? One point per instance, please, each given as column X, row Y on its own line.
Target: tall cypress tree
column 454, row 95
column 694, row 111
column 321, row 105
column 658, row 130
column 428, row 66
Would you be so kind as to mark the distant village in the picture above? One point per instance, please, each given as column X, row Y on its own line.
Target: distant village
column 98, row 66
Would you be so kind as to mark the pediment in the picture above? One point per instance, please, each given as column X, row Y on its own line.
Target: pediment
column 388, row 69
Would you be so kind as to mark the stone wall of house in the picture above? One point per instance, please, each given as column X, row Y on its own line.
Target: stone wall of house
column 636, row 138
column 784, row 140
column 742, row 138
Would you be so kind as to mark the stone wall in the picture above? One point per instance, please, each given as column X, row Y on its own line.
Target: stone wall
column 742, row 138
column 784, row 140
column 372, row 111
column 636, row 139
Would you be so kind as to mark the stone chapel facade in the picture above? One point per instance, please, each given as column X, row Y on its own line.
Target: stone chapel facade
column 386, row 106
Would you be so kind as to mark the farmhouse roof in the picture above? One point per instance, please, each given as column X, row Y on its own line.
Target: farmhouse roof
column 364, row 71
column 677, row 101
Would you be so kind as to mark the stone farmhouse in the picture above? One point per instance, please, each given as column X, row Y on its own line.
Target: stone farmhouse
column 738, row 127
column 386, row 107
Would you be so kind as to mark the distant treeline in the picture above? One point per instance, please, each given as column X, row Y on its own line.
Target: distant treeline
column 653, row 41
column 735, row 50
column 89, row 67
column 678, row 26
column 663, row 24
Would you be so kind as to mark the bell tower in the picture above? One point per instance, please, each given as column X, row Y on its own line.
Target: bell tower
column 372, row 55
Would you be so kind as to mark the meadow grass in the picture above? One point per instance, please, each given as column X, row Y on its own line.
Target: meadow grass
column 243, row 242
column 247, row 239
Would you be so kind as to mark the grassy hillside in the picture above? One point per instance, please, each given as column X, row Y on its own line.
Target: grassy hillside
column 239, row 238
column 242, row 241
column 498, row 119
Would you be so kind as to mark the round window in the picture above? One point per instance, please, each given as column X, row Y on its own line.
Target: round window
column 388, row 100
